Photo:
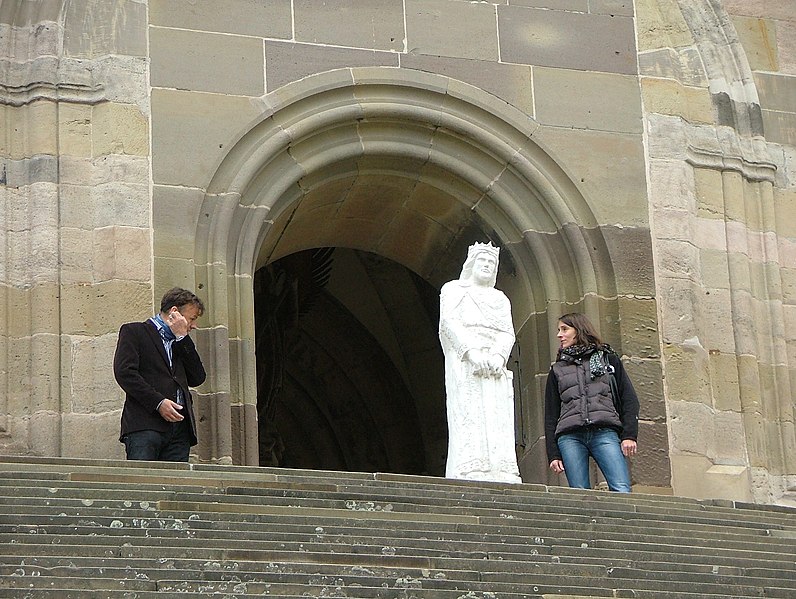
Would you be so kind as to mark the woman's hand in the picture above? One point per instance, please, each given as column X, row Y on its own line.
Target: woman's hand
column 629, row 447
column 557, row 466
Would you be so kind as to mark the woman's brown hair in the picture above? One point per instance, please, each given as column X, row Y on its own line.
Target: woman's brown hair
column 585, row 333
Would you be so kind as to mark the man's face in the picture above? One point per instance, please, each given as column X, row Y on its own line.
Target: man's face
column 484, row 267
column 191, row 313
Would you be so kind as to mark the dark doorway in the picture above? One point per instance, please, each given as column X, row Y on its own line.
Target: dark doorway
column 349, row 368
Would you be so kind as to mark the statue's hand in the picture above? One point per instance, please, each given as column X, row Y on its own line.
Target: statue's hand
column 485, row 364
column 479, row 360
column 495, row 365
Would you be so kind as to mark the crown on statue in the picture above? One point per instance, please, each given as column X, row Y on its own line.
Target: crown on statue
column 479, row 248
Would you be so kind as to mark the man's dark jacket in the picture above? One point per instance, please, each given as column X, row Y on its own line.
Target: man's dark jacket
column 142, row 370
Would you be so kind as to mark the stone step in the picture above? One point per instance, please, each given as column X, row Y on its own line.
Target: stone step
column 305, row 533
column 108, row 520
column 287, row 536
column 504, row 573
column 545, row 498
column 525, row 510
column 175, row 472
column 276, row 572
column 281, row 584
column 112, row 530
column 350, row 502
column 497, row 570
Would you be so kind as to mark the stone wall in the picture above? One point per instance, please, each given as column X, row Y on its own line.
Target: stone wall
column 635, row 160
column 720, row 129
column 76, row 215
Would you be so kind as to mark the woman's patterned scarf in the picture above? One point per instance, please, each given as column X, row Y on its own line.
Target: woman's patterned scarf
column 597, row 366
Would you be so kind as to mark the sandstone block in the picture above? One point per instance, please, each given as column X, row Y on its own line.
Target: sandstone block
column 87, row 207
column 75, row 129
column 119, row 129
column 92, row 436
column 663, row 96
column 696, row 476
column 175, row 214
column 44, row 433
column 206, row 123
column 651, row 466
column 677, row 259
column 688, row 375
column 376, row 25
column 271, row 19
column 607, row 167
column 759, row 447
column 785, row 211
column 539, row 37
column 565, row 98
column 758, row 37
column 198, row 61
column 89, row 383
column 724, row 381
column 174, row 272
column 286, row 62
column 647, row 379
column 117, row 28
column 788, row 278
column 714, row 269
column 101, row 308
column 630, row 254
column 511, row 83
column 786, row 46
column 77, row 256
column 122, row 253
column 441, row 28
column 660, row 24
column 571, row 5
column 709, row 197
column 639, row 327
column 684, row 65
column 780, row 127
column 110, row 168
column 760, row 8
column 33, row 127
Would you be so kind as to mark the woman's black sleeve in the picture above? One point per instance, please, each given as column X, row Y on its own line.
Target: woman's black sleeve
column 552, row 410
column 630, row 405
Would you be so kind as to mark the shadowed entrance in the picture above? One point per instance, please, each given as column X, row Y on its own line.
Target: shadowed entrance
column 339, row 336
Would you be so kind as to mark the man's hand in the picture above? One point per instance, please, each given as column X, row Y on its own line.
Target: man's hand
column 629, row 447
column 178, row 324
column 557, row 466
column 170, row 411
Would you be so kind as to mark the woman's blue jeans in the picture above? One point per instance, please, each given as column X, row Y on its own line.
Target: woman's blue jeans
column 604, row 446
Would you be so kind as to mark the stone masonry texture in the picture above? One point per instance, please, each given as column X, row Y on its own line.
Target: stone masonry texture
column 634, row 161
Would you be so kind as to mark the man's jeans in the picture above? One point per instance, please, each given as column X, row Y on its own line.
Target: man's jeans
column 173, row 446
column 604, row 446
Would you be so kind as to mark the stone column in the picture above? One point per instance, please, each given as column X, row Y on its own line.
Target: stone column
column 77, row 214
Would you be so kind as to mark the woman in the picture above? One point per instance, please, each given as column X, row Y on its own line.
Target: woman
column 580, row 417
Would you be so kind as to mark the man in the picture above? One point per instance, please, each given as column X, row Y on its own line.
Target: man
column 477, row 334
column 155, row 364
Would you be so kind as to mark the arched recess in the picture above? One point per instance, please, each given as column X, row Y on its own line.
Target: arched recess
column 473, row 168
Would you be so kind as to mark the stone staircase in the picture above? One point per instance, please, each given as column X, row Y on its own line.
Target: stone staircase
column 111, row 529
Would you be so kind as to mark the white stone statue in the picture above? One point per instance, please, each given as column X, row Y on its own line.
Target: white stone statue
column 477, row 334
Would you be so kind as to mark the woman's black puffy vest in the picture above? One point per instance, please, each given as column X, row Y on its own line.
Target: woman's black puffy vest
column 584, row 402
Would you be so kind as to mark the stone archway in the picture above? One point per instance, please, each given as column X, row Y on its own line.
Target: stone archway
column 411, row 167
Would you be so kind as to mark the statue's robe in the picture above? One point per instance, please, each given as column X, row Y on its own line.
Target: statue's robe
column 481, row 441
